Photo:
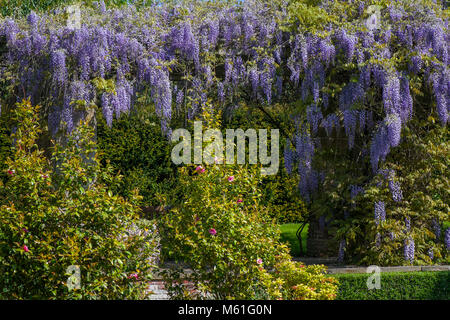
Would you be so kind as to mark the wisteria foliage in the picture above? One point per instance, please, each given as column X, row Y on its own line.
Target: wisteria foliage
column 146, row 49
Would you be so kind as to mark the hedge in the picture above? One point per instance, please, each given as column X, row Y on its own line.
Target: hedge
column 396, row 286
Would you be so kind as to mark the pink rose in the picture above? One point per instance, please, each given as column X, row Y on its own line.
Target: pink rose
column 200, row 169
column 25, row 248
column 259, row 261
column 212, row 231
column 239, row 200
column 231, row 178
column 11, row 172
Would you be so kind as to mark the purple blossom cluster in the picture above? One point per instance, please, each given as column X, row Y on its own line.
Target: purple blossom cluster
column 330, row 122
column 386, row 137
column 380, row 212
column 409, row 250
column 393, row 184
column 407, row 224
column 289, row 157
column 394, row 126
column 314, row 117
column 355, row 190
column 309, row 178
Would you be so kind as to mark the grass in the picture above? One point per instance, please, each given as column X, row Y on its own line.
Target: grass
column 288, row 234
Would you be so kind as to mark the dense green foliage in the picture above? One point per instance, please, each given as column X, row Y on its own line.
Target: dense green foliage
column 289, row 236
column 396, row 286
column 135, row 147
column 61, row 214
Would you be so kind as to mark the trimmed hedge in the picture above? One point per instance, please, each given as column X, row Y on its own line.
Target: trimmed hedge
column 135, row 147
column 396, row 286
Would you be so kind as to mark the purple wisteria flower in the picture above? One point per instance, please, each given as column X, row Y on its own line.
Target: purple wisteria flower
column 355, row 190
column 436, row 228
column 407, row 224
column 289, row 157
column 394, row 126
column 396, row 191
column 380, row 212
column 408, row 250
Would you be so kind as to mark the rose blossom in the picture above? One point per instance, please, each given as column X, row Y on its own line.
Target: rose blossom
column 231, row 178
column 212, row 231
column 133, row 275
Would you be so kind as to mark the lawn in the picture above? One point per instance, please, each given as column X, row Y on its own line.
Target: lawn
column 288, row 234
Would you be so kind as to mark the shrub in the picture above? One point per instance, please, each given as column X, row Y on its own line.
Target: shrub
column 384, row 235
column 396, row 286
column 222, row 232
column 232, row 247
column 61, row 215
